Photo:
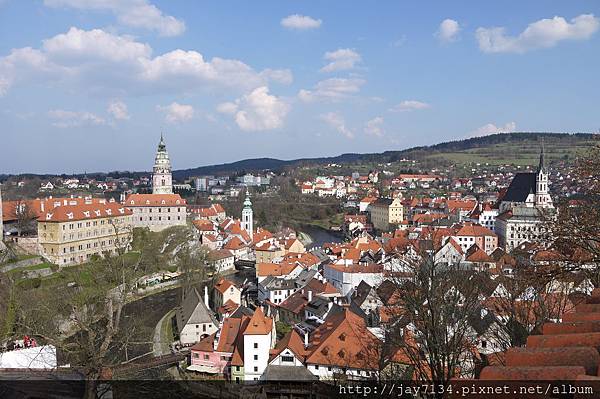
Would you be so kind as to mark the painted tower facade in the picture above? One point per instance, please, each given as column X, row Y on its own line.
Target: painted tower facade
column 247, row 215
column 162, row 180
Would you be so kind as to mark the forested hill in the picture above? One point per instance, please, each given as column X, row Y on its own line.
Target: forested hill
column 518, row 148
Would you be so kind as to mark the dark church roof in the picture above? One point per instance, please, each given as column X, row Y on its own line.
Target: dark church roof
column 521, row 186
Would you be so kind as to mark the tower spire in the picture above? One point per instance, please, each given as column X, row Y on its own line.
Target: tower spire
column 542, row 164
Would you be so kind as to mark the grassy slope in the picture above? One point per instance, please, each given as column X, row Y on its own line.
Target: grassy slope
column 518, row 153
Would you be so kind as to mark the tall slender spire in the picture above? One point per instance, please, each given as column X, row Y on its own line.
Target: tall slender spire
column 542, row 164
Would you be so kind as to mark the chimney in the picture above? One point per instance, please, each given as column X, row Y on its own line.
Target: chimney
column 306, row 339
column 309, row 295
column 42, row 205
column 206, row 296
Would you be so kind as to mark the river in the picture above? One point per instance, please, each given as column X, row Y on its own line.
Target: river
column 320, row 236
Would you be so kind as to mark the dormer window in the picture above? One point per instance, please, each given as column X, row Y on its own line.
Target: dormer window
column 97, row 212
column 70, row 215
column 147, row 202
column 132, row 202
column 86, row 214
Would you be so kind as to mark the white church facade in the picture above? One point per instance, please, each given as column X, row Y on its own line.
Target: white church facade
column 525, row 208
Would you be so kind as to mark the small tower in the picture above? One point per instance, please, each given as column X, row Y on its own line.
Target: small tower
column 247, row 215
column 542, row 196
column 162, row 181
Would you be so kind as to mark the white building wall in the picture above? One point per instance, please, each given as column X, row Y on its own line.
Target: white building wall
column 256, row 355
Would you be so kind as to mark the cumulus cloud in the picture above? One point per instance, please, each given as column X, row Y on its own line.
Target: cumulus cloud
column 331, row 90
column 448, row 31
column 132, row 13
column 177, row 113
column 409, row 105
column 118, row 110
column 544, row 33
column 490, row 128
column 341, row 59
column 374, row 127
column 300, row 22
column 66, row 119
column 336, row 121
column 99, row 61
column 257, row 110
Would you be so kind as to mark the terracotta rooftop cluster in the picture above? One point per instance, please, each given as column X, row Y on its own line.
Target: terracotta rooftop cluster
column 565, row 351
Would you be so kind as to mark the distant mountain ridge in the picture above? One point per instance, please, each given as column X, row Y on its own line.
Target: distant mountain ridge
column 502, row 147
column 465, row 145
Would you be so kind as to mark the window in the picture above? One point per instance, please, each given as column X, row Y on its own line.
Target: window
column 288, row 359
column 256, row 345
column 206, row 357
column 255, row 369
column 255, row 357
column 316, row 366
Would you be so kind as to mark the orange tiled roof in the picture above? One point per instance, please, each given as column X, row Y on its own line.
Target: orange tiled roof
column 223, row 285
column 154, row 200
column 344, row 340
column 67, row 213
column 259, row 324
column 291, row 341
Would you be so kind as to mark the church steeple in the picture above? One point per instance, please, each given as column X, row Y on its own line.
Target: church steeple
column 542, row 189
column 162, row 181
column 542, row 164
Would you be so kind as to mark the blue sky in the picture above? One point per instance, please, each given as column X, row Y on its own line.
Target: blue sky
column 88, row 85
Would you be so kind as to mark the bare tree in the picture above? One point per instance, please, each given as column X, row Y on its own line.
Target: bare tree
column 85, row 322
column 577, row 228
column 25, row 217
column 436, row 336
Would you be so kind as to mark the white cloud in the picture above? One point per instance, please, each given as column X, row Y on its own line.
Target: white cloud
column 257, row 110
column 118, row 110
column 65, row 119
column 341, row 59
column 336, row 121
column 448, row 31
column 300, row 22
column 334, row 89
column 374, row 127
column 177, row 113
column 490, row 128
column 544, row 33
column 409, row 105
column 101, row 62
column 132, row 13
column 79, row 45
column 283, row 76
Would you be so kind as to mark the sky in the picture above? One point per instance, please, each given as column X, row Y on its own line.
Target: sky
column 89, row 85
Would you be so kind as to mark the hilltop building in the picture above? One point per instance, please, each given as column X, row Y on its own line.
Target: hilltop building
column 524, row 207
column 72, row 234
column 162, row 208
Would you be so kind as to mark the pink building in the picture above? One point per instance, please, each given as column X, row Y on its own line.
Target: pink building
column 212, row 355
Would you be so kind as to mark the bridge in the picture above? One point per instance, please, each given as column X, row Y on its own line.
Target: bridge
column 149, row 363
column 241, row 264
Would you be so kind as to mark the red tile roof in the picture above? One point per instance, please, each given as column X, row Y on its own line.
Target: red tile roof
column 259, row 324
column 154, row 200
column 67, row 213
